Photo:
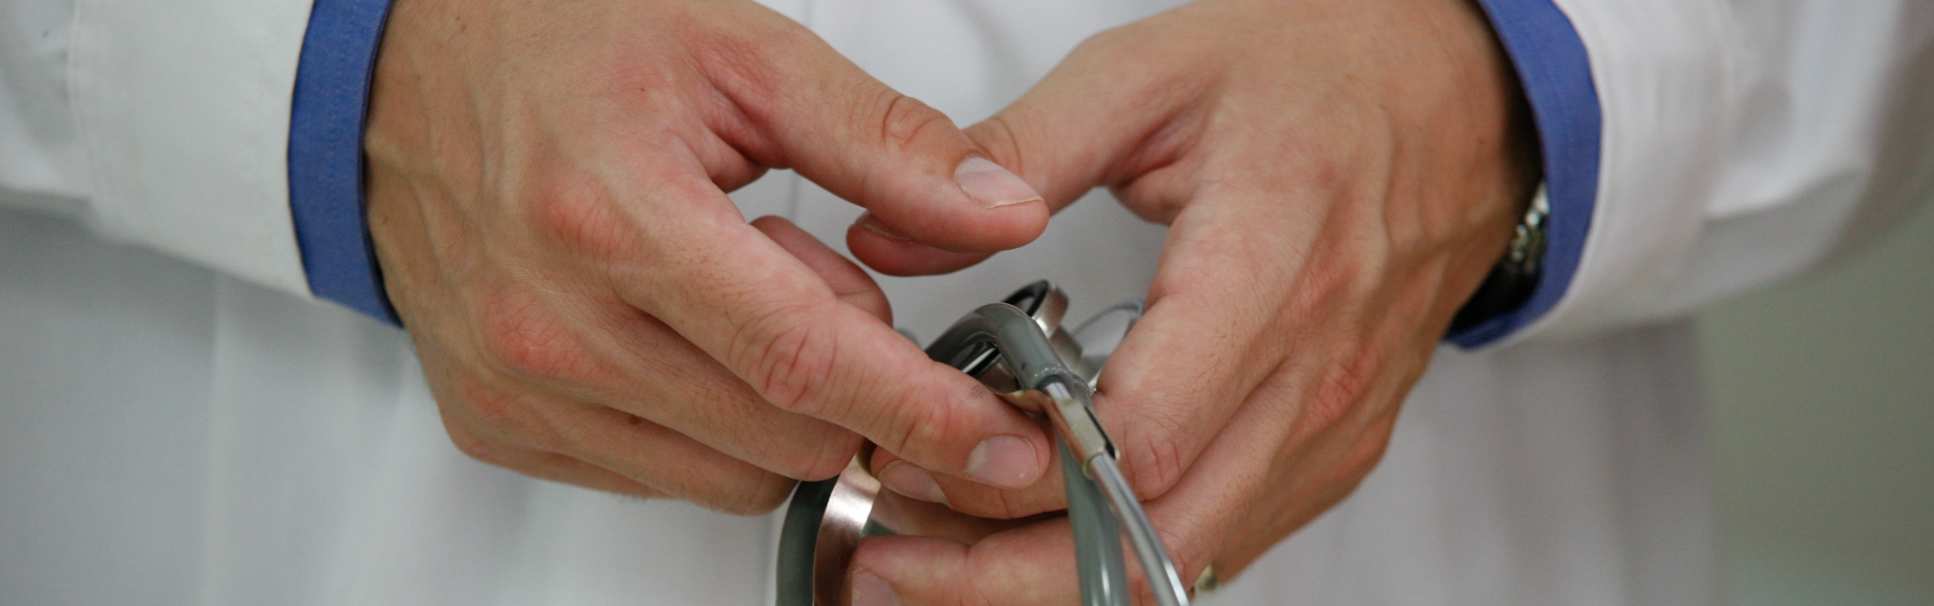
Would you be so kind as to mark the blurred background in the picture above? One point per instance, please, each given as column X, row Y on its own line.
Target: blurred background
column 1824, row 402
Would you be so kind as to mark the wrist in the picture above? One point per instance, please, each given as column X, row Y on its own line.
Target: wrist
column 1488, row 137
column 1560, row 115
column 1514, row 271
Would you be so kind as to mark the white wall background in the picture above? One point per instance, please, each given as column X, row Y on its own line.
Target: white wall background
column 1824, row 395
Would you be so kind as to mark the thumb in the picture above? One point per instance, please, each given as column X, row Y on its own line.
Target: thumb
column 919, row 177
column 1098, row 119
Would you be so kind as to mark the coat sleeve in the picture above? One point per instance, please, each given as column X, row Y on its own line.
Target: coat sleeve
column 42, row 166
column 182, row 110
column 1737, row 143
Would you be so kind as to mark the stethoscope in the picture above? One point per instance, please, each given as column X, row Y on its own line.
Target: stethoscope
column 1019, row 349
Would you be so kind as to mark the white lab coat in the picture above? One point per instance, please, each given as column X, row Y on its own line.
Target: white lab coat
column 188, row 428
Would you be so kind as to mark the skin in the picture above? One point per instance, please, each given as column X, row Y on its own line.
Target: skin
column 1338, row 177
column 547, row 193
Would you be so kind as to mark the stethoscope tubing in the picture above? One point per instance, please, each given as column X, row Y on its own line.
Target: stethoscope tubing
column 1018, row 349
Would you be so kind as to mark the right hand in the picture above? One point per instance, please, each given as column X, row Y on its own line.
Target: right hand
column 547, row 196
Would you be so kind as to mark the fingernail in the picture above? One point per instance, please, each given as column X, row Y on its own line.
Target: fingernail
column 1002, row 461
column 869, row 590
column 912, row 481
column 991, row 185
column 869, row 223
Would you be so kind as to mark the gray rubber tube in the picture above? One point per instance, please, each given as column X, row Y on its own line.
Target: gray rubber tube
column 1102, row 570
column 1097, row 551
column 1033, row 362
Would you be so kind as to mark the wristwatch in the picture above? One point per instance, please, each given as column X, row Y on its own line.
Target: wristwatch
column 1515, row 277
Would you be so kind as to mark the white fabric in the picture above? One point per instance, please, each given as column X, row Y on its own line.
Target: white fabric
column 1744, row 141
column 173, row 435
column 41, row 161
column 183, row 108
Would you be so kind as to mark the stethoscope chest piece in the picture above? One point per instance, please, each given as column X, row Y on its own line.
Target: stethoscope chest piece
column 1019, row 349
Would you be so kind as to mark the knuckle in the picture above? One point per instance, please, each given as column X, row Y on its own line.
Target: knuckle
column 996, row 504
column 790, row 357
column 520, row 337
column 578, row 215
column 1342, row 389
column 937, row 423
column 829, row 457
column 1368, row 452
column 873, row 301
column 1333, row 281
column 902, row 119
column 1315, row 166
column 760, row 496
column 1007, row 505
column 494, row 408
column 506, row 414
column 472, row 446
column 1153, row 455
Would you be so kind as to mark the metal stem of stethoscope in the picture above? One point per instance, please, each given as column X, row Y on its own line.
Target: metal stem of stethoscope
column 1018, row 350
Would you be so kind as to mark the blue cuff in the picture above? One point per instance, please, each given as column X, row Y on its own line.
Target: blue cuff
column 1556, row 74
column 326, row 154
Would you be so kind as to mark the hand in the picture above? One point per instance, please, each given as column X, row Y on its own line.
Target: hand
column 547, row 196
column 1338, row 176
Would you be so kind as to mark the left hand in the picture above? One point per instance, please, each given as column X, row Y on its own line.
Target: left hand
column 1338, row 177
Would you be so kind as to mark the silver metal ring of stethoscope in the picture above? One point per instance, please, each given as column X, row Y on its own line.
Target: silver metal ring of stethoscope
column 1019, row 350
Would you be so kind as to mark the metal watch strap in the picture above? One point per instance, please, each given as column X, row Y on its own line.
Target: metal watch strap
column 1513, row 279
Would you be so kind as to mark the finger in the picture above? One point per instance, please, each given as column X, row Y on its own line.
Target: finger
column 1210, row 516
column 903, row 478
column 548, row 466
column 673, row 383
column 746, row 302
column 816, row 112
column 908, row 517
column 543, row 415
column 711, row 405
column 666, row 461
column 1212, row 333
column 1102, row 109
column 1104, row 113
column 895, row 254
column 1027, row 566
column 541, row 346
column 1030, row 565
column 1251, row 488
column 849, row 283
column 728, row 168
column 1225, row 514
